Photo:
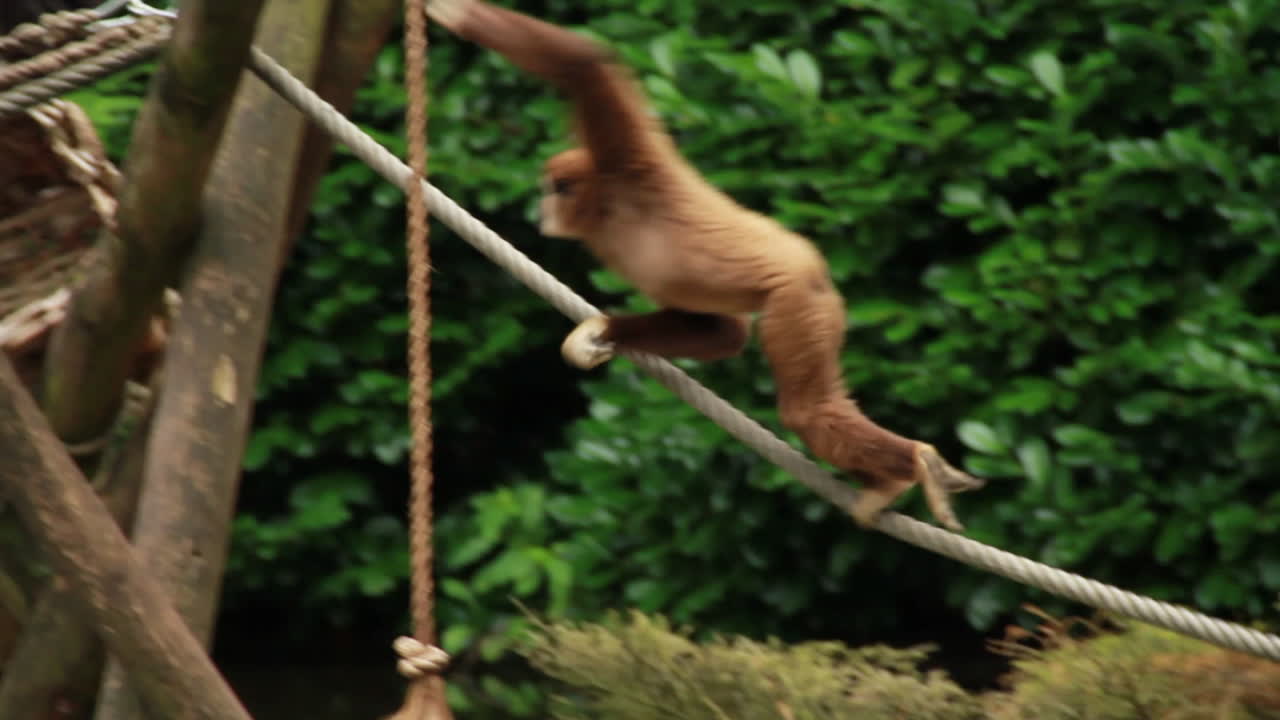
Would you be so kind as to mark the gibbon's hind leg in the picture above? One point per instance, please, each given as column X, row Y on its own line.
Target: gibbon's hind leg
column 802, row 329
column 669, row 333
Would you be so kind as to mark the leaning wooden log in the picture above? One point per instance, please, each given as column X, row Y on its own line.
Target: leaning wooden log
column 166, row 663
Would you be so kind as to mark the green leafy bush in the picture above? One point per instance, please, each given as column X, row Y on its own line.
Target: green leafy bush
column 1056, row 231
column 1141, row 672
column 640, row 669
column 1054, row 228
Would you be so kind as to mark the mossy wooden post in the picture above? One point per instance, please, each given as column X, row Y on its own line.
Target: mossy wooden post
column 211, row 369
column 174, row 141
column 86, row 548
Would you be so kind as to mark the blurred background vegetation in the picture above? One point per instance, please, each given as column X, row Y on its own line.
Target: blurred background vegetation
column 1055, row 226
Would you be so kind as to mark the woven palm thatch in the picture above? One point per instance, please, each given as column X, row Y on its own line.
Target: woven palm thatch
column 57, row 189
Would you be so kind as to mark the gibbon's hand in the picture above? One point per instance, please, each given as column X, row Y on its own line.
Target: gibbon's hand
column 447, row 12
column 586, row 347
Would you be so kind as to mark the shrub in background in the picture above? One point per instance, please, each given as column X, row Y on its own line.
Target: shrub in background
column 1054, row 225
column 639, row 668
column 1140, row 672
column 1056, row 230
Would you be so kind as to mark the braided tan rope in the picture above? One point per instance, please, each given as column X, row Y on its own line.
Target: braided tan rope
column 50, row 30
column 415, row 66
column 153, row 34
column 53, row 60
column 958, row 547
column 420, row 659
column 74, row 140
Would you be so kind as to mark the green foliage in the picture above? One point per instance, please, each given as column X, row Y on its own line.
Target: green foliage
column 641, row 669
column 1052, row 227
column 1144, row 672
column 1055, row 228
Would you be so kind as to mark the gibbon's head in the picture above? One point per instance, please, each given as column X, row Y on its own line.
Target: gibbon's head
column 570, row 206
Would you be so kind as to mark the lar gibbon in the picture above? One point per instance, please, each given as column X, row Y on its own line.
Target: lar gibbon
column 646, row 213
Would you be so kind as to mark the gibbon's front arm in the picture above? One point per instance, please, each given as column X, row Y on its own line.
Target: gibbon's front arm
column 639, row 207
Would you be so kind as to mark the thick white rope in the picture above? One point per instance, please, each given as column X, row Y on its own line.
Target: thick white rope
column 958, row 547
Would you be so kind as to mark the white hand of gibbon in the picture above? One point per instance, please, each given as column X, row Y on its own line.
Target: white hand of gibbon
column 585, row 347
column 447, row 12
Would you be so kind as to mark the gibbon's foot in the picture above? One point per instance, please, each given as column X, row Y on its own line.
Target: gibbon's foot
column 585, row 347
column 447, row 12
column 938, row 479
column 417, row 659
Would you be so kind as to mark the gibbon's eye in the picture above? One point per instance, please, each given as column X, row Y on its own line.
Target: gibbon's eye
column 561, row 186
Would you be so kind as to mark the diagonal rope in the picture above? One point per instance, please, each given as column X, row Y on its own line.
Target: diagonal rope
column 957, row 547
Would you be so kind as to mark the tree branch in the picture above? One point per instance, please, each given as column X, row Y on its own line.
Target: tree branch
column 59, row 656
column 85, row 546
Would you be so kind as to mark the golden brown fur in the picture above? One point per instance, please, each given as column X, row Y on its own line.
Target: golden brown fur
column 637, row 205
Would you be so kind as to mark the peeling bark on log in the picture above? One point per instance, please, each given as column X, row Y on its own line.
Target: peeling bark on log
column 174, row 676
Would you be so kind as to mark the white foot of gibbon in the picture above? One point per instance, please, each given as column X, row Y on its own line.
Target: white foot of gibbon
column 584, row 347
column 447, row 12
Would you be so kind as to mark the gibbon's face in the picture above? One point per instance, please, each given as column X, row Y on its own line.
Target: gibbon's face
column 565, row 210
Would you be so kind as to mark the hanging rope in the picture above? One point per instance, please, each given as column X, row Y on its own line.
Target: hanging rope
column 420, row 660
column 419, row 289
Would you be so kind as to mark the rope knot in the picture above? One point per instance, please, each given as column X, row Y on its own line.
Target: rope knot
column 417, row 660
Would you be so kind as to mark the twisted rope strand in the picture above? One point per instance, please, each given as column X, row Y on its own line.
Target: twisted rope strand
column 420, row 519
column 56, row 59
column 49, row 31
column 82, row 73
